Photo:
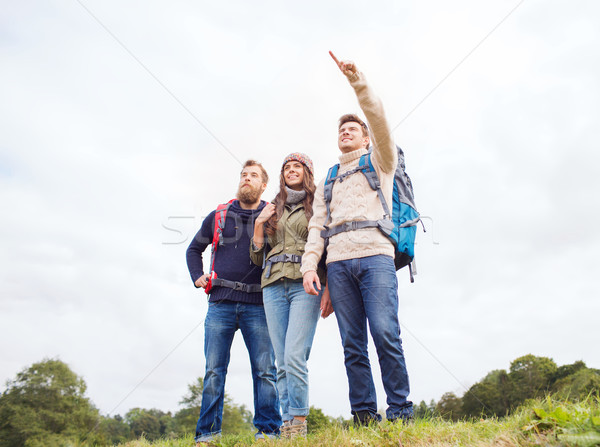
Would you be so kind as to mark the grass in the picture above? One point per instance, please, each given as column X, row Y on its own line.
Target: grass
column 539, row 423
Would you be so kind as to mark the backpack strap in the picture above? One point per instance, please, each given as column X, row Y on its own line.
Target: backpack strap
column 366, row 167
column 328, row 187
column 286, row 257
column 373, row 179
column 220, row 214
column 328, row 190
column 236, row 285
column 350, row 226
column 412, row 269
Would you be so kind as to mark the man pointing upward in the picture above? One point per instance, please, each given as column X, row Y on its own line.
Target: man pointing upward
column 360, row 261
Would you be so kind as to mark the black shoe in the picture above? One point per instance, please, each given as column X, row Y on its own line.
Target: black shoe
column 365, row 417
column 404, row 419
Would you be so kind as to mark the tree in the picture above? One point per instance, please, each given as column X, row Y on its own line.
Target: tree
column 488, row 397
column 152, row 424
column 423, row 410
column 236, row 419
column 449, row 407
column 567, row 370
column 45, row 404
column 578, row 386
column 184, row 421
column 194, row 397
column 144, row 423
column 317, row 420
column 114, row 430
column 531, row 377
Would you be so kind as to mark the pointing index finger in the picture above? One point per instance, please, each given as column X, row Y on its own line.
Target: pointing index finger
column 335, row 59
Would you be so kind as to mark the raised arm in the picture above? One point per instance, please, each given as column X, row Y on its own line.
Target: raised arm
column 384, row 150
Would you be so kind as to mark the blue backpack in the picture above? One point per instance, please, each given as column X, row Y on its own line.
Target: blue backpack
column 398, row 224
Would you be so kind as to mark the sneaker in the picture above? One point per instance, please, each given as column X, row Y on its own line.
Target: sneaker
column 297, row 428
column 285, row 429
column 365, row 417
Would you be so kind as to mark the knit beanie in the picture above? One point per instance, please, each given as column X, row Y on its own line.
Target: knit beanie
column 300, row 157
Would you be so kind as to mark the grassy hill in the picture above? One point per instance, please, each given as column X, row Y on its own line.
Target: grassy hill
column 538, row 423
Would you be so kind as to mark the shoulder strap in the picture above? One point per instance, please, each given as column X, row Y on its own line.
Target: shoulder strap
column 220, row 214
column 369, row 171
column 329, row 181
column 328, row 190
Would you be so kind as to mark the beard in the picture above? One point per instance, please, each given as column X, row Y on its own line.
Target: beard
column 250, row 195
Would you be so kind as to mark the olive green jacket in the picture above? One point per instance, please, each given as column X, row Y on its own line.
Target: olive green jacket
column 290, row 238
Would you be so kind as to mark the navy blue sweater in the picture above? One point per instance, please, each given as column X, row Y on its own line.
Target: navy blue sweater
column 232, row 259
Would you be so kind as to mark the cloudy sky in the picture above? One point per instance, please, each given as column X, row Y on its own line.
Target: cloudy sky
column 123, row 124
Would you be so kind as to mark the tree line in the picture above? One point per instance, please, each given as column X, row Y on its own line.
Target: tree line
column 45, row 404
column 500, row 392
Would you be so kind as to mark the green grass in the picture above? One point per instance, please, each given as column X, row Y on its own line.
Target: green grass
column 539, row 423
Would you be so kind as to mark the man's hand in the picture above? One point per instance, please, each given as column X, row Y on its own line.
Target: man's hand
column 346, row 67
column 326, row 306
column 202, row 281
column 309, row 281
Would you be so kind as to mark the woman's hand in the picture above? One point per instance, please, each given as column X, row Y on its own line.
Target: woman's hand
column 258, row 238
column 265, row 214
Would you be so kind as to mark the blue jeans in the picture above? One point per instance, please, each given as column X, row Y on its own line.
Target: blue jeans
column 223, row 319
column 361, row 290
column 292, row 316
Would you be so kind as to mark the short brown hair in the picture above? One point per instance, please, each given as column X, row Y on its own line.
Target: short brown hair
column 351, row 117
column 265, row 176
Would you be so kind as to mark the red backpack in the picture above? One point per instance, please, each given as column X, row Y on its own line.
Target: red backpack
column 220, row 214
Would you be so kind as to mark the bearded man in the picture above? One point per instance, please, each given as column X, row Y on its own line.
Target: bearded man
column 235, row 302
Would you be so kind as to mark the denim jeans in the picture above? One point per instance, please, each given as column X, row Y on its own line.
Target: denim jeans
column 292, row 316
column 366, row 289
column 223, row 319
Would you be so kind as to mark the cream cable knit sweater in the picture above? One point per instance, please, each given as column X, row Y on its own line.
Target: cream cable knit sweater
column 353, row 198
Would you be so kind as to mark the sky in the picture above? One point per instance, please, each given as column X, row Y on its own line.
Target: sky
column 123, row 124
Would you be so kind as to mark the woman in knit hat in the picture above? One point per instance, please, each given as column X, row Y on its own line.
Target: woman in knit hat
column 292, row 314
